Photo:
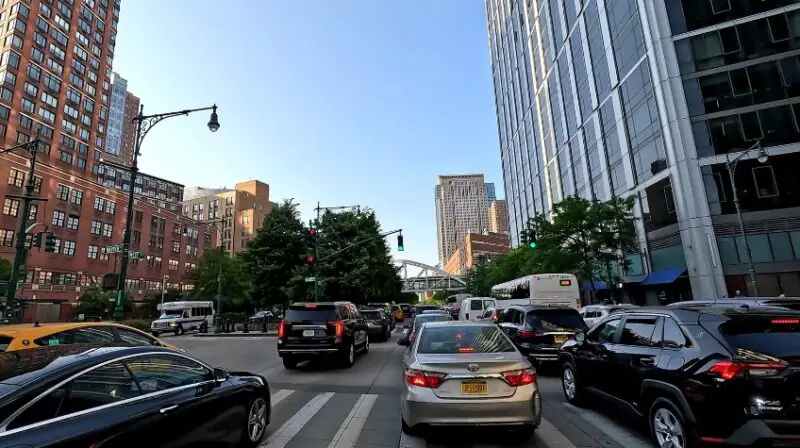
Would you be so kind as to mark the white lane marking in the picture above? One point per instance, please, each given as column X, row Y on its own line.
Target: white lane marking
column 552, row 437
column 614, row 430
column 285, row 433
column 407, row 441
column 348, row 432
column 280, row 395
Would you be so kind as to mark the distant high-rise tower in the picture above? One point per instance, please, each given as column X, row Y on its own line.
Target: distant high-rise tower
column 498, row 216
column 461, row 208
column 123, row 108
column 491, row 194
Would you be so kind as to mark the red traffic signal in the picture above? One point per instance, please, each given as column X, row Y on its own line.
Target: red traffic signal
column 310, row 259
column 312, row 232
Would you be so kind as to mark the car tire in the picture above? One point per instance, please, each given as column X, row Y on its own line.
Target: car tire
column 666, row 421
column 570, row 384
column 348, row 356
column 526, row 433
column 179, row 331
column 289, row 363
column 409, row 430
column 203, row 327
column 155, row 334
column 253, row 439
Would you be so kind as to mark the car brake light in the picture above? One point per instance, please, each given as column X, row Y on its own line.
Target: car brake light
column 311, row 305
column 422, row 378
column 411, row 337
column 339, row 327
column 786, row 321
column 282, row 329
column 527, row 334
column 729, row 369
column 518, row 378
column 466, row 349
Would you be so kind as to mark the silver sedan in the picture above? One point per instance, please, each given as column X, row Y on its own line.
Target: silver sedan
column 463, row 373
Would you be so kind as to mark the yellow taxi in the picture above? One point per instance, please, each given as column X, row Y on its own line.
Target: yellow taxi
column 25, row 336
column 398, row 313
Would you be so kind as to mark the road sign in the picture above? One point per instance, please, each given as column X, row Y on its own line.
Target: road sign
column 113, row 249
column 311, row 279
column 136, row 255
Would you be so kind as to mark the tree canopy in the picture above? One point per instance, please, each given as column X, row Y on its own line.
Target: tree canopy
column 219, row 264
column 94, row 302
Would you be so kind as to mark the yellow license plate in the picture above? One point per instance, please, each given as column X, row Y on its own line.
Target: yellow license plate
column 560, row 339
column 474, row 388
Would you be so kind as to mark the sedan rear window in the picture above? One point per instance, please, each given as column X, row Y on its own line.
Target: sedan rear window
column 371, row 315
column 463, row 339
column 776, row 336
column 311, row 314
column 555, row 320
column 5, row 341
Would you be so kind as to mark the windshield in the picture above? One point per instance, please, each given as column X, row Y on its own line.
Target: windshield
column 453, row 339
column 555, row 320
column 5, row 341
column 430, row 318
column 171, row 314
column 371, row 315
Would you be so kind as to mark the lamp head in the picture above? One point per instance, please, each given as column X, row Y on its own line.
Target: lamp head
column 213, row 122
column 763, row 157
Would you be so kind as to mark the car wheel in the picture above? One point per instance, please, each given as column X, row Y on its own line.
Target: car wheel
column 349, row 355
column 155, row 333
column 289, row 363
column 179, row 331
column 204, row 327
column 668, row 427
column 410, row 430
column 526, row 432
column 256, row 423
column 570, row 384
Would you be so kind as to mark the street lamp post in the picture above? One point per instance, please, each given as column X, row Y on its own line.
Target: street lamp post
column 730, row 164
column 32, row 148
column 143, row 125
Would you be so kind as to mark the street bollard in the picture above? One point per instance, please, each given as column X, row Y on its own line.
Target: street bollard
column 246, row 328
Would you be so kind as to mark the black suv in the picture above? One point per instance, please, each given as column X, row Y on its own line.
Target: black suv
column 712, row 375
column 333, row 330
column 539, row 331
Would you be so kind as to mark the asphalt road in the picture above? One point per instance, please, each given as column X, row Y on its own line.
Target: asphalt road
column 320, row 407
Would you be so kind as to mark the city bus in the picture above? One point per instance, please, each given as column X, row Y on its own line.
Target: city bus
column 541, row 289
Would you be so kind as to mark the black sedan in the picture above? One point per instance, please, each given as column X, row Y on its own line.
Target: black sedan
column 93, row 396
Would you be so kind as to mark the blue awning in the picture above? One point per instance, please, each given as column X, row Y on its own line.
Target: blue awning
column 598, row 284
column 634, row 279
column 663, row 277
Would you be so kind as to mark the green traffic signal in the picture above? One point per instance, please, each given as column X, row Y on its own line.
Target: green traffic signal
column 400, row 246
column 532, row 244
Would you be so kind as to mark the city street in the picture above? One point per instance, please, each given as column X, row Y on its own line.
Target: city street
column 316, row 406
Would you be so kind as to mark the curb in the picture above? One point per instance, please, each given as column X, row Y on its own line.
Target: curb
column 235, row 335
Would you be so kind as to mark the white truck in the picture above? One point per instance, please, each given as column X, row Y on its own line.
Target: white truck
column 179, row 317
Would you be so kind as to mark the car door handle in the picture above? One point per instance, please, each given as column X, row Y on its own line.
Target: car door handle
column 168, row 409
column 647, row 362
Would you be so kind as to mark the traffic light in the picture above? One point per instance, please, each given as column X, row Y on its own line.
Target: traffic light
column 310, row 259
column 400, row 246
column 532, row 240
column 50, row 243
column 36, row 240
column 312, row 232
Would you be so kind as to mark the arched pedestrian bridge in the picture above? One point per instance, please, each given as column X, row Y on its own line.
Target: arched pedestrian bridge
column 420, row 278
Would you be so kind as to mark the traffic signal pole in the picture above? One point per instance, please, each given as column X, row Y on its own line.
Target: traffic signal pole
column 32, row 148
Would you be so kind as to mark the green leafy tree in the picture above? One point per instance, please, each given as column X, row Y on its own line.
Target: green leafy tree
column 275, row 258
column 215, row 265
column 5, row 269
column 363, row 271
column 407, row 297
column 438, row 298
column 95, row 302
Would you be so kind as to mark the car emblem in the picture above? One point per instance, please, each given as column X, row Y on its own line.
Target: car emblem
column 473, row 367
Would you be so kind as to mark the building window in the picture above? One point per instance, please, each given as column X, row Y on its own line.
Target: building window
column 63, row 192
column 96, row 226
column 99, row 204
column 11, row 207
column 111, row 207
column 764, row 178
column 76, row 197
column 173, row 265
column 6, row 237
column 33, row 211
column 93, row 250
column 72, row 222
column 16, row 178
column 108, row 229
column 58, row 218
column 176, row 246
column 69, row 248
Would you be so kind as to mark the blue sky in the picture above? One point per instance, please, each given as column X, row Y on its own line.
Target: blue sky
column 343, row 102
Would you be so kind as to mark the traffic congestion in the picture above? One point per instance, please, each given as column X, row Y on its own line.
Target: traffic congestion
column 697, row 373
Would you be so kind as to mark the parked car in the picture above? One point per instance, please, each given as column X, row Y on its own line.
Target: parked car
column 539, row 331
column 710, row 374
column 386, row 307
column 470, row 374
column 378, row 324
column 322, row 331
column 260, row 316
column 592, row 314
column 90, row 395
column 27, row 336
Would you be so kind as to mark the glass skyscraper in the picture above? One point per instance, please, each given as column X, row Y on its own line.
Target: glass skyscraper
column 652, row 98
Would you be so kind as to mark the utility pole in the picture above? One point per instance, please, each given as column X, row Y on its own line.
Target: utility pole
column 163, row 289
column 32, row 147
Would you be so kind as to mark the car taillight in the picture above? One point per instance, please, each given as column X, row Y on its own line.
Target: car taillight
column 422, row 378
column 785, row 321
column 338, row 326
column 518, row 378
column 411, row 337
column 282, row 329
column 527, row 334
column 729, row 369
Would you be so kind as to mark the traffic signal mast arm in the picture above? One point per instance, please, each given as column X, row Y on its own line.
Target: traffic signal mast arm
column 358, row 243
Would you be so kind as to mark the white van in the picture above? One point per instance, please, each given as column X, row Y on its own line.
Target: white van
column 473, row 308
column 179, row 317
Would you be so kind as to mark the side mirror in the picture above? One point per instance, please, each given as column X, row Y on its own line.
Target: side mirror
column 404, row 342
column 220, row 375
column 580, row 337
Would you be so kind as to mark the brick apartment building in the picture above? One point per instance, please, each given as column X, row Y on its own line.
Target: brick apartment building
column 475, row 249
column 55, row 70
